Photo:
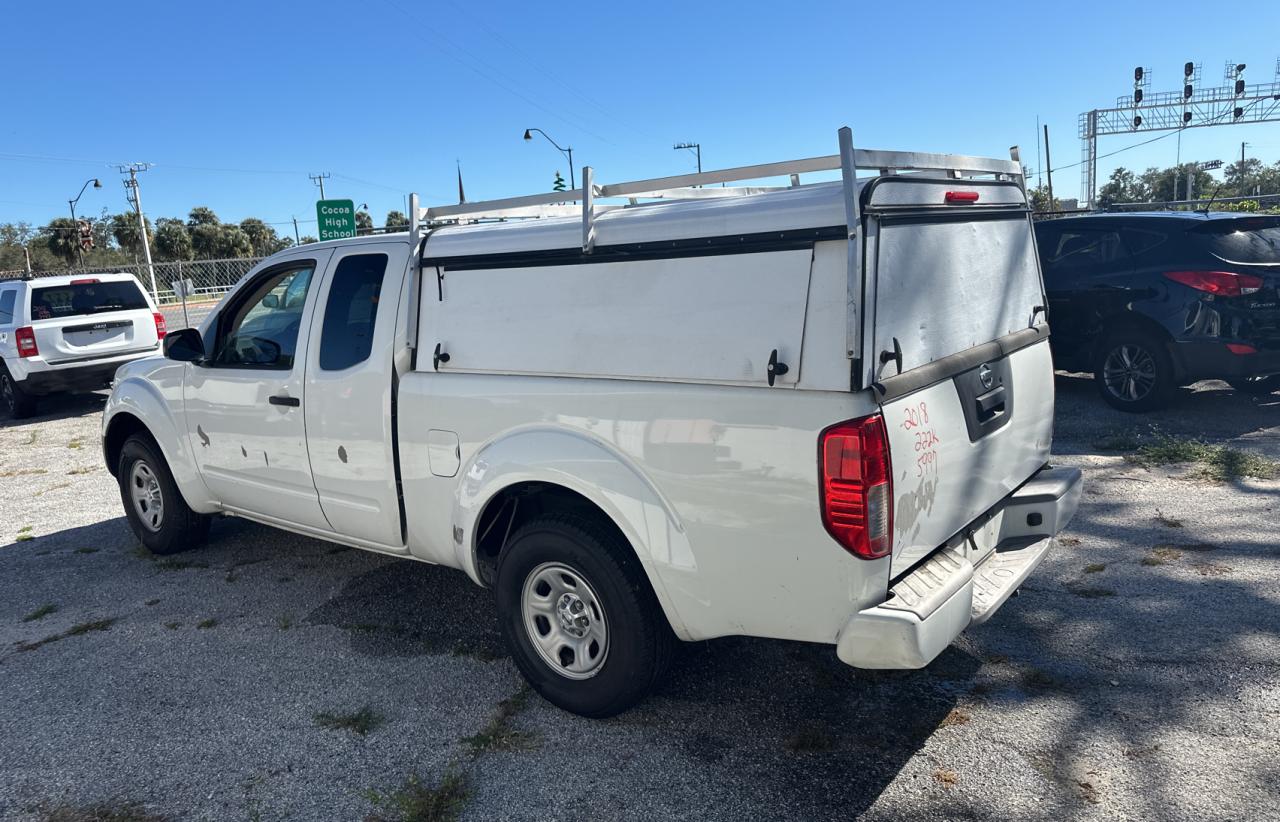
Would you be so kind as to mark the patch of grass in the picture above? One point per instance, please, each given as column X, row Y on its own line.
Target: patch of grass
column 500, row 734
column 74, row 630
column 55, row 487
column 1069, row 542
column 22, row 472
column 1117, row 441
column 207, row 623
column 173, row 626
column 809, row 739
column 1167, row 522
column 1088, row 792
column 84, row 469
column 1040, row 680
column 1211, row 569
column 1162, row 555
column 1217, row 463
column 284, row 622
column 41, row 612
column 957, row 716
column 946, row 777
column 361, row 722
column 1091, row 591
column 24, row 534
column 86, row 550
column 1095, row 568
column 415, row 802
column 101, row 812
column 142, row 552
column 76, row 444
column 478, row 652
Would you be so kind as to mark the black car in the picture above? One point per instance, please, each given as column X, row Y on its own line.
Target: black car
column 1151, row 301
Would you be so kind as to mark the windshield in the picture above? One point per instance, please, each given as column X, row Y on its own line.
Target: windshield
column 79, row 299
column 1252, row 240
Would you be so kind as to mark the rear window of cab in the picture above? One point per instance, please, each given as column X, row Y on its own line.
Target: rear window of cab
column 83, row 298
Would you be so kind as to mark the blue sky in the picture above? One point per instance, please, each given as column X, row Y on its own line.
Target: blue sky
column 237, row 101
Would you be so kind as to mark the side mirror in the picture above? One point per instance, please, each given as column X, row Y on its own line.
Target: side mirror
column 271, row 301
column 184, row 346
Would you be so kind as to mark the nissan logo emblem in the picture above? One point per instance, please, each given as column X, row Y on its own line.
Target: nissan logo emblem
column 987, row 376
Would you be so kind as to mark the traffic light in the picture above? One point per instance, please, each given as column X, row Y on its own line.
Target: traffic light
column 1186, row 117
column 1188, row 70
column 1237, row 112
column 86, row 234
column 1137, row 96
column 1137, row 74
column 1187, row 91
column 1137, row 120
column 1239, row 87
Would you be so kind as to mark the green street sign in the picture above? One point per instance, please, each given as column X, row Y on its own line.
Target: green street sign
column 337, row 219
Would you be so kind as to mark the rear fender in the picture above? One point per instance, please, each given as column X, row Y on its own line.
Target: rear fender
column 589, row 467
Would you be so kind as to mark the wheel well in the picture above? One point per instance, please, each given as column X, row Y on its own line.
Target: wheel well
column 1127, row 321
column 517, row 504
column 121, row 428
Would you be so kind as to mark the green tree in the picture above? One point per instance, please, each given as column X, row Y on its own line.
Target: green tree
column 364, row 223
column 1123, row 187
column 1040, row 200
column 173, row 240
column 307, row 239
column 1241, row 179
column 396, row 221
column 232, row 241
column 202, row 215
column 62, row 237
column 263, row 238
column 123, row 228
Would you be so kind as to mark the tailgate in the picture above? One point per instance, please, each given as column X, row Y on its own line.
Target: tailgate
column 91, row 319
column 961, row 351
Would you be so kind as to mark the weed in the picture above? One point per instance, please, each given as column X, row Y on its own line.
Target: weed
column 22, row 472
column 207, row 623
column 41, row 612
column 1088, row 792
column 1117, row 441
column 809, row 739
column 415, row 802
column 74, row 630
column 84, row 469
column 142, row 552
column 1069, row 542
column 284, row 622
column 498, row 734
column 1162, row 555
column 56, row 486
column 1096, row 567
column 945, row 777
column 1213, row 462
column 361, row 722
column 1211, row 569
column 24, row 534
column 173, row 626
column 86, row 550
column 1090, row 591
column 75, row 444
column 957, row 716
column 1168, row 522
column 101, row 812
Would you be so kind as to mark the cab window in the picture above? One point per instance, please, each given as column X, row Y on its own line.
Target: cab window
column 351, row 311
column 261, row 329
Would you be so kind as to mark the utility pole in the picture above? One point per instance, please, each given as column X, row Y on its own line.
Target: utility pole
column 319, row 179
column 696, row 148
column 1048, row 167
column 296, row 238
column 135, row 199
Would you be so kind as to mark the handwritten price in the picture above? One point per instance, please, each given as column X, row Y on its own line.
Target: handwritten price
column 916, row 420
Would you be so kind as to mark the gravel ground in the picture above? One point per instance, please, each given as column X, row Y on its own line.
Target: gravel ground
column 1109, row 689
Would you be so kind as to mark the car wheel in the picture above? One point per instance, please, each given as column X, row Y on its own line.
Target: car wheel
column 18, row 404
column 1134, row 371
column 154, row 506
column 578, row 616
column 1256, row 386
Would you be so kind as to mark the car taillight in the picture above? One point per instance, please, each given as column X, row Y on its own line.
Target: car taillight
column 1224, row 283
column 857, row 492
column 162, row 327
column 1241, row 349
column 26, row 338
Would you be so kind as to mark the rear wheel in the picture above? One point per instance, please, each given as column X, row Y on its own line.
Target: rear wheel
column 1257, row 386
column 1134, row 371
column 579, row 617
column 18, row 404
column 156, row 511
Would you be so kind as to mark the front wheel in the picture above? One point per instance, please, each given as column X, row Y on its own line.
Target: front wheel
column 156, row 511
column 578, row 616
column 1134, row 371
column 1256, row 386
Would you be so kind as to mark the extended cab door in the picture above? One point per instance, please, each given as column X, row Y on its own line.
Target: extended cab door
column 244, row 403
column 350, row 384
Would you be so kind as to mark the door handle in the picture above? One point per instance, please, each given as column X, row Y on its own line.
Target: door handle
column 292, row 402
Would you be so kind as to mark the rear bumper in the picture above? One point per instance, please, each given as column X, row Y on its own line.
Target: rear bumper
column 1213, row 360
column 38, row 377
column 951, row 590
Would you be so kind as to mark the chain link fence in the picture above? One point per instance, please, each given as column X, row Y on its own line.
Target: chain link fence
column 185, row 291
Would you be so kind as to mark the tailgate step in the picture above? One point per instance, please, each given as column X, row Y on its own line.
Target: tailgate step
column 999, row 575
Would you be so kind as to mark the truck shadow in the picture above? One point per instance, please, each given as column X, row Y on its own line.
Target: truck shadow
column 59, row 407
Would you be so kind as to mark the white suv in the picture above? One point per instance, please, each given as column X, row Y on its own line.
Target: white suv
column 71, row 333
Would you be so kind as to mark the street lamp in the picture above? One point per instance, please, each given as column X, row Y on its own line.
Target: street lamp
column 74, row 225
column 568, row 152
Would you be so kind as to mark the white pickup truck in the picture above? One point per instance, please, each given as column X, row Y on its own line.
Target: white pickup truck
column 818, row 412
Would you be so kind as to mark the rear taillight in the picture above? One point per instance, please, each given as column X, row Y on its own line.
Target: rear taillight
column 162, row 327
column 1223, row 283
column 26, row 338
column 857, row 493
column 1241, row 349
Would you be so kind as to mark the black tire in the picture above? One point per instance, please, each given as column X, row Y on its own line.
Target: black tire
column 1256, row 386
column 1133, row 371
column 15, row 402
column 638, row 641
column 172, row 526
